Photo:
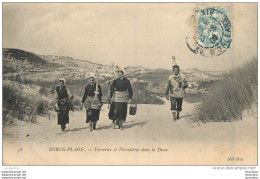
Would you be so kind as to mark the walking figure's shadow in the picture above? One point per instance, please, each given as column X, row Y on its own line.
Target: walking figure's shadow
column 126, row 125
column 131, row 124
column 75, row 129
column 99, row 128
column 186, row 116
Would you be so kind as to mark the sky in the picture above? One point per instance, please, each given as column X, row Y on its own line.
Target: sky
column 136, row 34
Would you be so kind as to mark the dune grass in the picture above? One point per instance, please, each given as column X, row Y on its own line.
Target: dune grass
column 22, row 103
column 227, row 98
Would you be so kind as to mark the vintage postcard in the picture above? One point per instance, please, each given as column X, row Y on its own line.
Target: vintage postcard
column 129, row 84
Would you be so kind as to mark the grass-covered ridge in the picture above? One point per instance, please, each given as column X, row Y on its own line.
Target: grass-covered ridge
column 229, row 97
column 22, row 102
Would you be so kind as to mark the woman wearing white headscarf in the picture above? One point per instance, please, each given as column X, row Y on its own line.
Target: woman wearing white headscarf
column 63, row 104
column 92, row 115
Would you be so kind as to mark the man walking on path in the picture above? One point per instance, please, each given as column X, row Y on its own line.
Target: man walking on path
column 175, row 90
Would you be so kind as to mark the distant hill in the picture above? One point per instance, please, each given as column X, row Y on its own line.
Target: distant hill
column 16, row 54
column 50, row 68
column 16, row 60
column 29, row 61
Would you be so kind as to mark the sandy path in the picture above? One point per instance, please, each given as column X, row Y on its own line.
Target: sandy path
column 184, row 142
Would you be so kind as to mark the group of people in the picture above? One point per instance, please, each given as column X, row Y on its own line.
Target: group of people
column 121, row 94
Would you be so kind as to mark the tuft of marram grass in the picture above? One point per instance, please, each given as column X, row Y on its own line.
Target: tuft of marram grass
column 21, row 102
column 229, row 97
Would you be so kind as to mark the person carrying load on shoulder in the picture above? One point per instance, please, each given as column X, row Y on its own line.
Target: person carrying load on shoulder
column 63, row 103
column 123, row 92
column 92, row 115
column 175, row 90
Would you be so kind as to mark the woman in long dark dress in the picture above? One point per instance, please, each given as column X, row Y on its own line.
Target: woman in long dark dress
column 63, row 104
column 92, row 115
column 123, row 92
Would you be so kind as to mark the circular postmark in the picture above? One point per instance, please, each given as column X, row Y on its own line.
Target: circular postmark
column 213, row 32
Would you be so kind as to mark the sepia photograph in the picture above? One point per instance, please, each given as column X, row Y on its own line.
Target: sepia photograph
column 127, row 84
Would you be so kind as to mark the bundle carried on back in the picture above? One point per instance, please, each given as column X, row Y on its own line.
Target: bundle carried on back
column 96, row 103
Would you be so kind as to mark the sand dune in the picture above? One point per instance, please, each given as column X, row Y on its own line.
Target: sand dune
column 149, row 138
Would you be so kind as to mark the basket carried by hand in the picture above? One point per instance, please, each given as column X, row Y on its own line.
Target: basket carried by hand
column 133, row 109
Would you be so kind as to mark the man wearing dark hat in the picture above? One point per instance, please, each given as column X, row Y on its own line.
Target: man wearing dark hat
column 175, row 90
column 63, row 104
column 121, row 88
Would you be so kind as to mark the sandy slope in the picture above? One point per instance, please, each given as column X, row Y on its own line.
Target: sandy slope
column 175, row 143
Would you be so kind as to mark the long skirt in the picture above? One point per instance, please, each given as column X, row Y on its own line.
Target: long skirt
column 120, row 111
column 92, row 115
column 63, row 113
column 111, row 114
column 63, row 117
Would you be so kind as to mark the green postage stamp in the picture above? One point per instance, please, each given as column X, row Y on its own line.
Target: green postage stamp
column 213, row 27
column 213, row 30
